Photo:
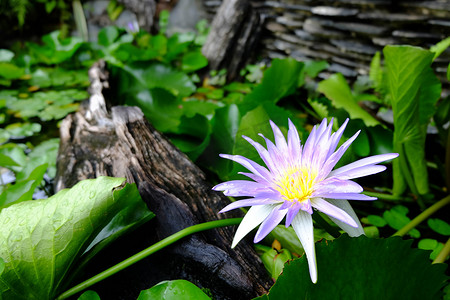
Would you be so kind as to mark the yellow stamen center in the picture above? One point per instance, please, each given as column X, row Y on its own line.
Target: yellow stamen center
column 296, row 184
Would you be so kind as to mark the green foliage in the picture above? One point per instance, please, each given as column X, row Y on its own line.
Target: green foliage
column 397, row 219
column 89, row 295
column 414, row 90
column 273, row 259
column 204, row 116
column 289, row 240
column 58, row 232
column 337, row 89
column 431, row 244
column 439, row 226
column 55, row 50
column 362, row 268
column 279, row 80
column 173, row 290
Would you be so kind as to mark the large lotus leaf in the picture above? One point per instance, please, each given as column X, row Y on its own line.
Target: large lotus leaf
column 41, row 240
column 414, row 90
column 173, row 290
column 362, row 268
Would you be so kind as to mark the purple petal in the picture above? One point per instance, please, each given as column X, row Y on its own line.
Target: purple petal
column 336, row 185
column 363, row 167
column 336, row 137
column 263, row 153
column 359, row 172
column 303, row 227
column 248, row 202
column 254, row 217
column 249, row 164
column 256, row 178
column 332, row 211
column 345, row 206
column 236, row 188
column 336, row 156
column 270, row 223
column 306, row 206
column 280, row 141
column 292, row 212
column 348, row 196
column 309, row 147
column 321, row 129
column 321, row 148
column 295, row 150
column 279, row 159
column 286, row 205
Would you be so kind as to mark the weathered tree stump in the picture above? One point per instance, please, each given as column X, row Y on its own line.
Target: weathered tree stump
column 234, row 33
column 121, row 143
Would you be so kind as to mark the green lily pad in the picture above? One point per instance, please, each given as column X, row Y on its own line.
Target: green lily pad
column 89, row 295
column 362, row 268
column 431, row 244
column 193, row 61
column 376, row 220
column 173, row 290
column 23, row 129
column 439, row 226
column 397, row 219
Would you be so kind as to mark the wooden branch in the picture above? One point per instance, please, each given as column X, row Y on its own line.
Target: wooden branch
column 121, row 143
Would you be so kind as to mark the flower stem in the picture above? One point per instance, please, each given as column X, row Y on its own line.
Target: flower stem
column 443, row 254
column 423, row 216
column 146, row 252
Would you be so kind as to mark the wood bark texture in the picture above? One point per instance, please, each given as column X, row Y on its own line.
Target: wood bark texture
column 121, row 143
column 234, row 32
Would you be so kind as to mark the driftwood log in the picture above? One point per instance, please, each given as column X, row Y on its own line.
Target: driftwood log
column 120, row 142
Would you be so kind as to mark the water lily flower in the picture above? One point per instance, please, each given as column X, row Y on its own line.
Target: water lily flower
column 298, row 179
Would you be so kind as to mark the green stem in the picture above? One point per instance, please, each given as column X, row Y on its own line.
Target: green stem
column 423, row 216
column 443, row 254
column 144, row 253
